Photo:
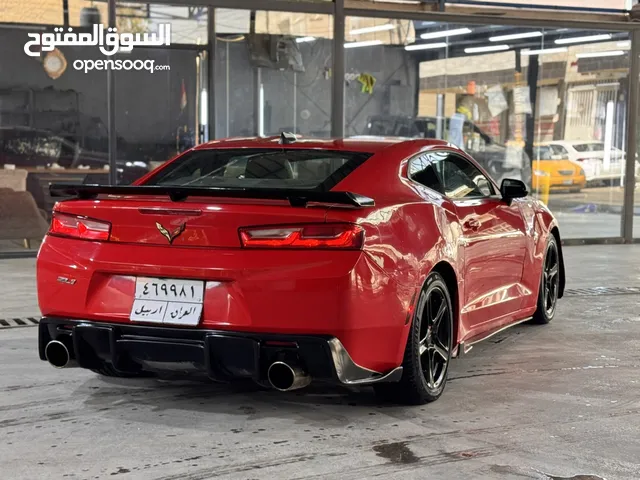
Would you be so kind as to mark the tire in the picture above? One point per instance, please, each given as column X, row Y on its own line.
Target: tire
column 107, row 370
column 549, row 283
column 426, row 344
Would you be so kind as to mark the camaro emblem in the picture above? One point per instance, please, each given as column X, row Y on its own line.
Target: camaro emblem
column 171, row 236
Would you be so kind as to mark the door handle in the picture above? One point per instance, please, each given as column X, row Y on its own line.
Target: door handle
column 472, row 224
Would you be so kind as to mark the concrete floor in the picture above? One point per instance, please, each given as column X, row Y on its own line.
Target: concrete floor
column 535, row 402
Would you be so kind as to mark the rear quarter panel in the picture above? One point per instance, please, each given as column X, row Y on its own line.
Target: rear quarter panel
column 408, row 232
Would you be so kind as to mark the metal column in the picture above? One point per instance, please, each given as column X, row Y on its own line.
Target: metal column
column 211, row 57
column 632, row 140
column 111, row 107
column 337, row 86
column 258, row 107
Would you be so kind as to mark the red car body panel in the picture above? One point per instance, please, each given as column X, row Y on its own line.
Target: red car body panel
column 362, row 297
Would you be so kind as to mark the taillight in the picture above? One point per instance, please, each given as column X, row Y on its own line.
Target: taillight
column 74, row 226
column 324, row 235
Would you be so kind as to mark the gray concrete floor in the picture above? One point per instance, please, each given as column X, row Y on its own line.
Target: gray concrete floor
column 534, row 402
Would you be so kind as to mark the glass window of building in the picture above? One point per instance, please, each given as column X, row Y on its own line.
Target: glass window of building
column 546, row 106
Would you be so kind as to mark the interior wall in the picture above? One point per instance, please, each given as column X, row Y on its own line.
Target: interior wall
column 149, row 104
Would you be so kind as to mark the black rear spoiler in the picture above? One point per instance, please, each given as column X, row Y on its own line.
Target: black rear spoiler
column 296, row 197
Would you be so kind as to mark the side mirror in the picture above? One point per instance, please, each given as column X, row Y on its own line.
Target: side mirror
column 512, row 188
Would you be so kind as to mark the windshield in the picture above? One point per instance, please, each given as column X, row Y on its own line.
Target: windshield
column 260, row 168
column 544, row 153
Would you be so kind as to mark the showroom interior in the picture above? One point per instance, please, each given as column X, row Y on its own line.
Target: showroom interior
column 543, row 91
column 529, row 88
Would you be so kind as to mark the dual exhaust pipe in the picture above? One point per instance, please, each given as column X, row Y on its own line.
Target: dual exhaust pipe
column 281, row 375
column 58, row 354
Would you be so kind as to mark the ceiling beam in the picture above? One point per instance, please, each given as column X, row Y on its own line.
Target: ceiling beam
column 490, row 16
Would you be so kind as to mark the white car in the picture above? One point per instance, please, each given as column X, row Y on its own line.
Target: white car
column 590, row 155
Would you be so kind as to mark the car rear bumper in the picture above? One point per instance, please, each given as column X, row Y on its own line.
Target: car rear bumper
column 222, row 355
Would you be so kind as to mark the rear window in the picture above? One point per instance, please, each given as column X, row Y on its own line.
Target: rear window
column 260, row 168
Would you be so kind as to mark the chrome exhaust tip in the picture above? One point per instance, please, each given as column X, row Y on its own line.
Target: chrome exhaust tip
column 57, row 354
column 285, row 377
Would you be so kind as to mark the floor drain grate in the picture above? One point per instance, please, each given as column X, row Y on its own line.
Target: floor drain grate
column 596, row 291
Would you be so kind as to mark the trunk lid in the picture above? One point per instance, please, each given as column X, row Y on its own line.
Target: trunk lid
column 194, row 222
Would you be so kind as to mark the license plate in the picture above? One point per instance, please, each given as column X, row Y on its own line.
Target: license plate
column 567, row 182
column 167, row 301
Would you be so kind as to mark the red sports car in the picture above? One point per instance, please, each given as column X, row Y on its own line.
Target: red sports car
column 282, row 260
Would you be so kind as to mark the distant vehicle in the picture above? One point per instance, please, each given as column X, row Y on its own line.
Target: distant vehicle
column 556, row 172
column 591, row 156
column 491, row 155
column 282, row 261
column 38, row 149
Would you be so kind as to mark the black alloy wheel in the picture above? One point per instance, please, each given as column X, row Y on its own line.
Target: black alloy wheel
column 549, row 283
column 428, row 351
column 434, row 338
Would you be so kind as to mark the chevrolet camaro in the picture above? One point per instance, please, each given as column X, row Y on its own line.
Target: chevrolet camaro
column 285, row 260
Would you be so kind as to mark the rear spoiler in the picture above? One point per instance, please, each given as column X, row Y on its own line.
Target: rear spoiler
column 296, row 197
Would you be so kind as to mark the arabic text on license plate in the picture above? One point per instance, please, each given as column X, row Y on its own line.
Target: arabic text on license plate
column 568, row 182
column 176, row 302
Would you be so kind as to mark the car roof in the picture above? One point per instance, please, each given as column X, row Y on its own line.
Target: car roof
column 363, row 143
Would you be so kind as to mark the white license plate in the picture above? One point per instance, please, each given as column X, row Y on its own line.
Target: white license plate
column 174, row 302
column 567, row 182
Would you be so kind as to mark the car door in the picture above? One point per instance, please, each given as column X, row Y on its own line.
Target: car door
column 493, row 241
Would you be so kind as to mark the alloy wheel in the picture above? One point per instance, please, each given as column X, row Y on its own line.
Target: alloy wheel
column 435, row 338
column 551, row 279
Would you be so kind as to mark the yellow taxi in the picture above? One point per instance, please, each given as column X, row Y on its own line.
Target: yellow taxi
column 555, row 172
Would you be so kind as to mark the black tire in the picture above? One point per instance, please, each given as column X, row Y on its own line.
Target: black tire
column 549, row 283
column 425, row 344
column 107, row 370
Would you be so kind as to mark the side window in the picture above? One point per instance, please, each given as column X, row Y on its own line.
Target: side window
column 559, row 150
column 459, row 178
column 421, row 171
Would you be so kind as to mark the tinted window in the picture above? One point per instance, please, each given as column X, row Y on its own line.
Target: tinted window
column 559, row 150
column 260, row 168
column 459, row 178
column 589, row 147
column 423, row 172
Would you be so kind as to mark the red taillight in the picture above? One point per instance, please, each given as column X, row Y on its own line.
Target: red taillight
column 322, row 235
column 73, row 226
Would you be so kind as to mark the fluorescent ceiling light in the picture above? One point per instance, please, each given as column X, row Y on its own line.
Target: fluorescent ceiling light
column 545, row 51
column 515, row 36
column 445, row 33
column 610, row 53
column 626, row 43
column 367, row 43
column 425, row 46
column 376, row 28
column 488, row 48
column 589, row 38
column 305, row 39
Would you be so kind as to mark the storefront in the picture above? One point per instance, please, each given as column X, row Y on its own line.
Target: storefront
column 548, row 95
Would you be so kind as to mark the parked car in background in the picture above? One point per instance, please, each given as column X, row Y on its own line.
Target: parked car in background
column 591, row 156
column 555, row 172
column 35, row 149
column 487, row 152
